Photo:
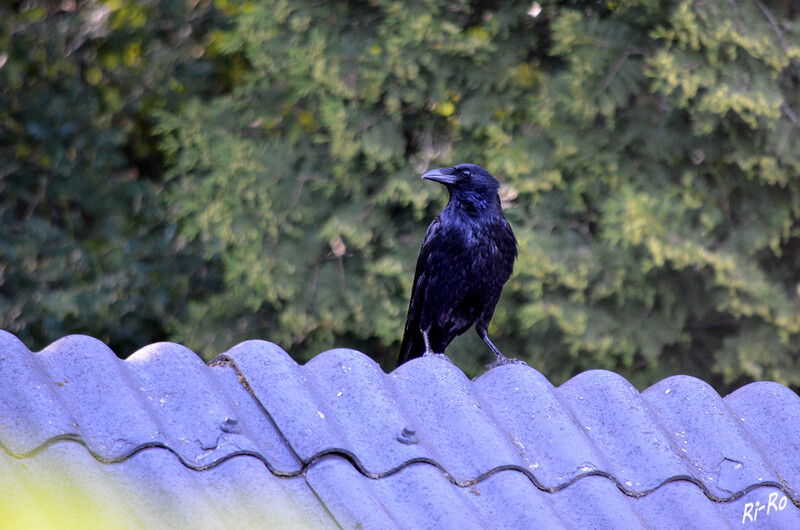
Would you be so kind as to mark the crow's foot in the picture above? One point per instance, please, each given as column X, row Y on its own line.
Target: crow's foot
column 504, row 360
column 439, row 355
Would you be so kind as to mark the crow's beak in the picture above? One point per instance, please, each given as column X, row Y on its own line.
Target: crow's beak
column 443, row 175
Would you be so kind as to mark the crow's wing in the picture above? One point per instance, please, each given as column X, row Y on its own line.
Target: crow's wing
column 413, row 344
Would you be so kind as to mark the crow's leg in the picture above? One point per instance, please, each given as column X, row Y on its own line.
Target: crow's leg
column 428, row 350
column 501, row 359
column 427, row 340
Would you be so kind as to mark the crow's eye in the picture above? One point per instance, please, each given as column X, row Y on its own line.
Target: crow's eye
column 465, row 173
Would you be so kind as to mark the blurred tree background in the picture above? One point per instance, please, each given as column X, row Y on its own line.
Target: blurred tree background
column 211, row 171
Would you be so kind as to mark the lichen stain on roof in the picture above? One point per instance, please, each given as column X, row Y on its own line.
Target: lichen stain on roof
column 256, row 440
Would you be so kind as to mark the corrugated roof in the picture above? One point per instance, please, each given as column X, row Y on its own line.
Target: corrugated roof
column 255, row 439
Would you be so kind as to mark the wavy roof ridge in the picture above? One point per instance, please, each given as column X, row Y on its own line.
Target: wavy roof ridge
column 313, row 421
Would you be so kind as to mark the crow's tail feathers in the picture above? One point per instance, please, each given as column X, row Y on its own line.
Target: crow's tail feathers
column 413, row 346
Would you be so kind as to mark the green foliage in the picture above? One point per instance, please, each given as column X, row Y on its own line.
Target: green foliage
column 649, row 154
column 84, row 244
column 648, row 150
column 320, row 227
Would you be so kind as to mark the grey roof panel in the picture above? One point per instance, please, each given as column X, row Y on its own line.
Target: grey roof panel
column 725, row 458
column 191, row 412
column 762, row 507
column 509, row 499
column 362, row 408
column 150, row 489
column 250, row 419
column 342, row 402
column 30, row 414
column 281, row 388
column 452, row 420
column 97, row 396
column 679, row 505
column 595, row 502
column 611, row 410
column 162, row 396
column 509, row 418
column 542, row 425
column 420, row 495
column 770, row 414
column 339, row 442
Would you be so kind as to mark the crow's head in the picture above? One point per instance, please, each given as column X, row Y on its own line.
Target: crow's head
column 468, row 184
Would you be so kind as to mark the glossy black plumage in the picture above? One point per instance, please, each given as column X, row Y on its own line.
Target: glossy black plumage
column 467, row 256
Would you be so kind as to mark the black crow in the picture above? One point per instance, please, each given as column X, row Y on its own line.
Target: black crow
column 466, row 258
